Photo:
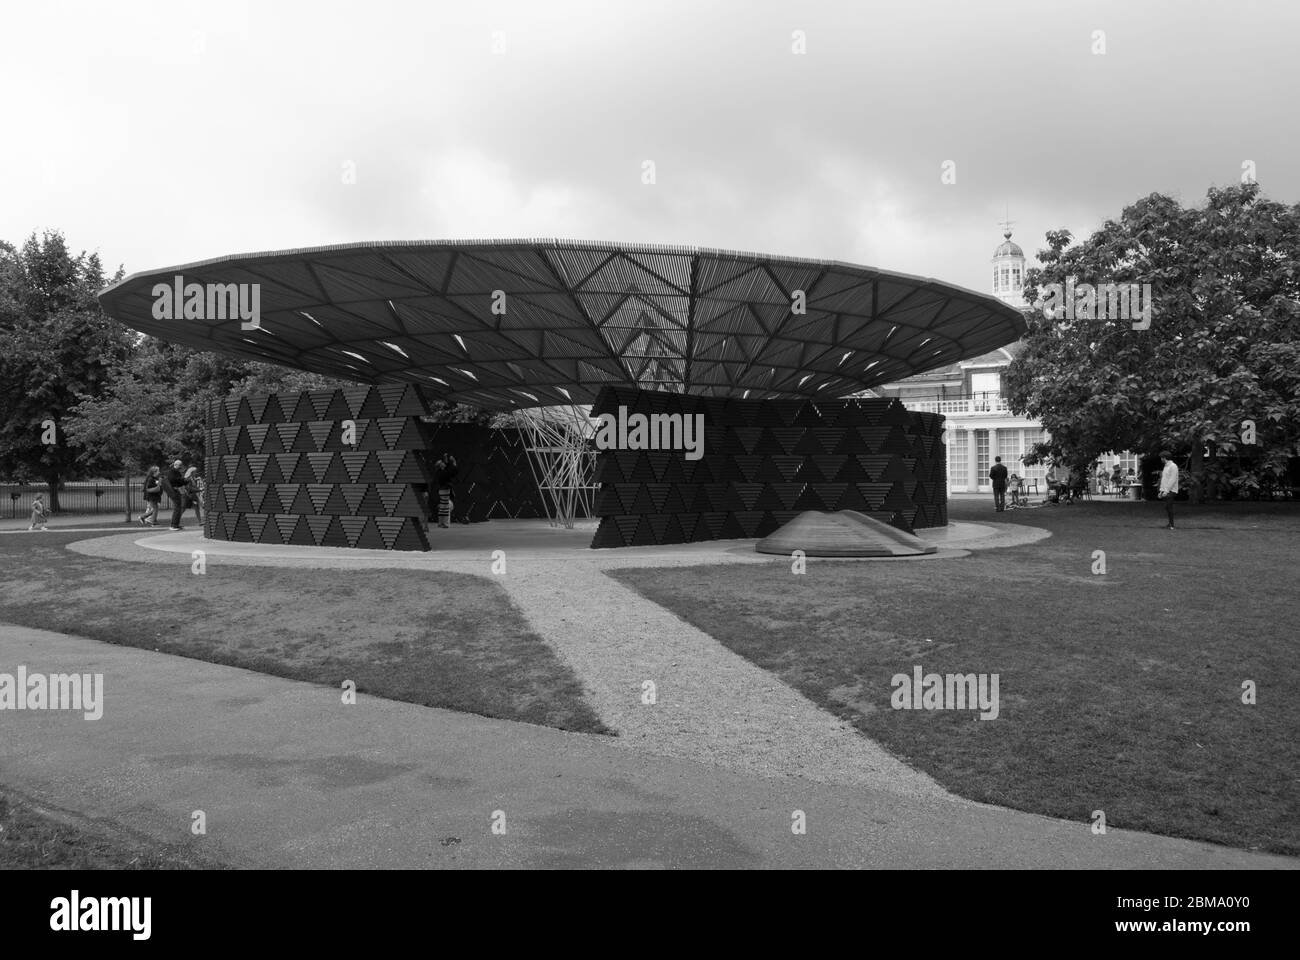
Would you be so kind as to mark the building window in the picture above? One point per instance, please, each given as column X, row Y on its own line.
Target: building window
column 1125, row 460
column 958, row 460
column 982, row 457
column 985, row 383
column 1038, row 471
column 1010, row 449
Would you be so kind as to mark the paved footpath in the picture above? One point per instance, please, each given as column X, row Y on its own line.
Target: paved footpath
column 289, row 776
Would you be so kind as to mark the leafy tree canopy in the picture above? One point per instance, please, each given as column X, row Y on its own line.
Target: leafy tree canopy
column 56, row 347
column 155, row 408
column 1222, row 348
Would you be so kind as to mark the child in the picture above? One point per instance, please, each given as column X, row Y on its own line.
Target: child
column 1016, row 486
column 39, row 514
column 153, row 491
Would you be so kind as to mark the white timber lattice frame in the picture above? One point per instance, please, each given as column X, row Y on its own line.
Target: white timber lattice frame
column 563, row 459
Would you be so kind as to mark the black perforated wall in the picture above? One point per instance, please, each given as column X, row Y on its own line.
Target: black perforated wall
column 277, row 469
column 766, row 461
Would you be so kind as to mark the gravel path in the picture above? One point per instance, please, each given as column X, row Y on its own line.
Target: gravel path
column 711, row 705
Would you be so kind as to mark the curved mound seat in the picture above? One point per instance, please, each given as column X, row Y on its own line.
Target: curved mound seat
column 845, row 533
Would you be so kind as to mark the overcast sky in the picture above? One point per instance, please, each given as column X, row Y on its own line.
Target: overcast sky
column 164, row 133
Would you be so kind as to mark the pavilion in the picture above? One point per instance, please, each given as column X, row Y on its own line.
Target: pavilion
column 766, row 348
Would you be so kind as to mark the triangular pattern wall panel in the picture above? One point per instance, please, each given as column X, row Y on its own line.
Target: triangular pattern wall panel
column 763, row 462
column 278, row 471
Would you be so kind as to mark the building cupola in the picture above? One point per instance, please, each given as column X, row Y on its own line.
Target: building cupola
column 1009, row 271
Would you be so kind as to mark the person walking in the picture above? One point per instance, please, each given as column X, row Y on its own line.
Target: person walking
column 1168, row 485
column 39, row 514
column 194, row 491
column 444, row 472
column 177, row 484
column 998, row 474
column 153, row 491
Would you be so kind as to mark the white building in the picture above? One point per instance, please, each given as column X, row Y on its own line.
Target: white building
column 969, row 394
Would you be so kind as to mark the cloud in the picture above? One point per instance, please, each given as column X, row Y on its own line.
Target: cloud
column 467, row 194
column 162, row 133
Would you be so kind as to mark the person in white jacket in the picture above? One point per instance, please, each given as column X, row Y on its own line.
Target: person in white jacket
column 1169, row 485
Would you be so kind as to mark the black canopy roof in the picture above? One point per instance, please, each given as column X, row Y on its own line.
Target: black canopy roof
column 577, row 316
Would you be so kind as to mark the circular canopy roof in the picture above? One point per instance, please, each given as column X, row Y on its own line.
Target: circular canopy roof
column 518, row 323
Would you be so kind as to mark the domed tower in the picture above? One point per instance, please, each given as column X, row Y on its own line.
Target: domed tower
column 1009, row 271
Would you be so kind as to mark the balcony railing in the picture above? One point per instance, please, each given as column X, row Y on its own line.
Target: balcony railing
column 992, row 403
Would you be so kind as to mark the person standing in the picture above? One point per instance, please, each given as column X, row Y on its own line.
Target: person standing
column 1168, row 485
column 153, row 491
column 444, row 472
column 176, row 481
column 998, row 474
column 194, row 491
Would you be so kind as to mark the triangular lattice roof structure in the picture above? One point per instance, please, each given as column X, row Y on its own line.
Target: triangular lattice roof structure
column 579, row 316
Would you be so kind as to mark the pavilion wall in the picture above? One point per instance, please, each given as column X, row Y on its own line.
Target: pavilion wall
column 766, row 461
column 278, row 471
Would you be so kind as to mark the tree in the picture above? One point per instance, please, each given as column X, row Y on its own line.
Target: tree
column 266, row 378
column 1222, row 349
column 56, row 347
column 136, row 422
column 263, row 378
column 154, row 409
column 156, row 405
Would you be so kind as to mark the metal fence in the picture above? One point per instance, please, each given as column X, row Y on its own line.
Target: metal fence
column 77, row 497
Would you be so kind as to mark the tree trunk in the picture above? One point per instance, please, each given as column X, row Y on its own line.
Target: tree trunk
column 126, row 484
column 1196, row 467
column 52, row 479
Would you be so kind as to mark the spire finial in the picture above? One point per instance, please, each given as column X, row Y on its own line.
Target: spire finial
column 1007, row 224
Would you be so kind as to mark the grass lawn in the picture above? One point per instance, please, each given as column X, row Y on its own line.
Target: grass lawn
column 33, row 838
column 1119, row 692
column 438, row 639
